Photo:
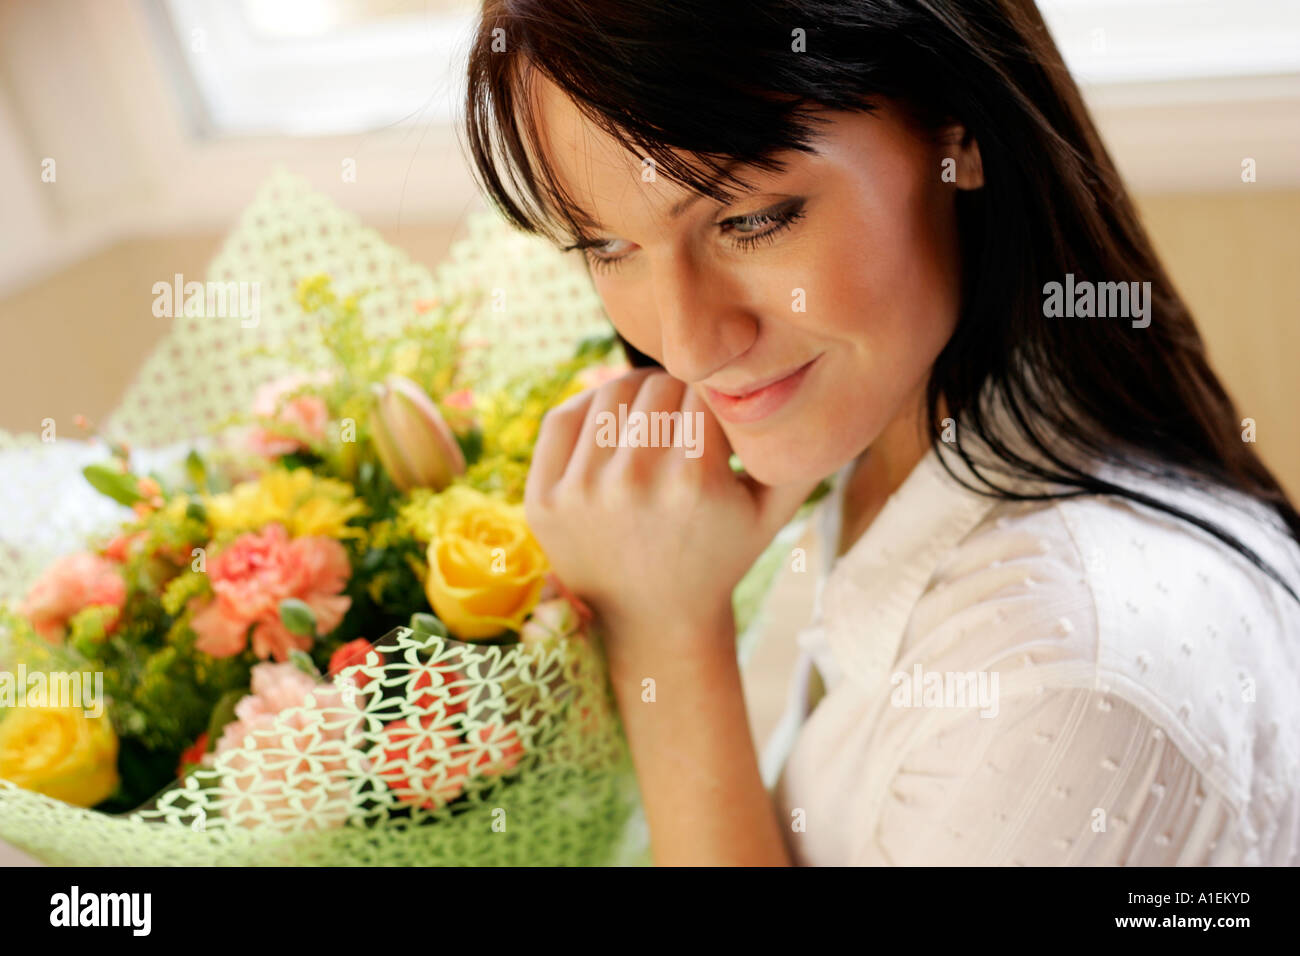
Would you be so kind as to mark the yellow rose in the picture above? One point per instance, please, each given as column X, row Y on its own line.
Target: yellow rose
column 60, row 752
column 486, row 570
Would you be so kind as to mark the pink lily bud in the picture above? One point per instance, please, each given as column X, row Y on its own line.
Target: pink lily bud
column 415, row 444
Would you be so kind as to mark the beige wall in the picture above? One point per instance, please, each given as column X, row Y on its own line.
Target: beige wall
column 71, row 342
column 1235, row 258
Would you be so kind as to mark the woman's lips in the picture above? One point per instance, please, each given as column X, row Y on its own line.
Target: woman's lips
column 758, row 403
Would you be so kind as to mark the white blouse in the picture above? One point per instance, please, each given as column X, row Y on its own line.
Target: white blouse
column 1085, row 681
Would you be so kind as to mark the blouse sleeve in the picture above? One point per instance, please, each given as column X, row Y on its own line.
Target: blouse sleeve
column 1067, row 776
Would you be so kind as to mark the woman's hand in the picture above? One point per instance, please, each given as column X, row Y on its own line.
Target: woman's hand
column 655, row 539
column 648, row 535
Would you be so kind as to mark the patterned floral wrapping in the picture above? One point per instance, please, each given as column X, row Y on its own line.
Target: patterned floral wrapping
column 533, row 768
column 444, row 753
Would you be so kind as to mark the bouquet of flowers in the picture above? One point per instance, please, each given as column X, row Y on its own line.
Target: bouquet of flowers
column 226, row 635
column 328, row 636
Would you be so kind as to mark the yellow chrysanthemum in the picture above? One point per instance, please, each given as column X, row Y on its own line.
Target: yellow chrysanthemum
column 303, row 502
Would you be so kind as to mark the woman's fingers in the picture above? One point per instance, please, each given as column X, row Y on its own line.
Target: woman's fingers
column 712, row 453
column 774, row 504
column 654, row 426
column 598, row 437
column 642, row 427
column 556, row 439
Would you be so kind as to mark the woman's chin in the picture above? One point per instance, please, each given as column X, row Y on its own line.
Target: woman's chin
column 802, row 456
column 777, row 470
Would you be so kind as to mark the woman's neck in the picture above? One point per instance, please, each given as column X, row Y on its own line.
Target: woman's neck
column 881, row 470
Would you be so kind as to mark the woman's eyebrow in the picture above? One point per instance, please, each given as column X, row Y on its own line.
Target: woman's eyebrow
column 586, row 242
column 581, row 217
column 723, row 171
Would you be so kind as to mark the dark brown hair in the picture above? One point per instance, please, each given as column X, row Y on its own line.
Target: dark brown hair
column 721, row 82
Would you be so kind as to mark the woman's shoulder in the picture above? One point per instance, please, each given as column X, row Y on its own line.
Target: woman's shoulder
column 1134, row 569
column 1103, row 592
column 1150, row 572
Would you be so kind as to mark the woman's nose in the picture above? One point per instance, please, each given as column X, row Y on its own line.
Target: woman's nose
column 703, row 325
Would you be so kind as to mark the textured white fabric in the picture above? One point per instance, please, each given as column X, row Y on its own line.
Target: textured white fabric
column 1147, row 706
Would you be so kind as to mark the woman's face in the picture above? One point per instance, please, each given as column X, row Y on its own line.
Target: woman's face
column 808, row 312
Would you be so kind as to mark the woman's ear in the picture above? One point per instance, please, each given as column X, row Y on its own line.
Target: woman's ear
column 961, row 163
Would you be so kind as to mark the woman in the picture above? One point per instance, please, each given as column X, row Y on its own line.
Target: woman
column 1061, row 622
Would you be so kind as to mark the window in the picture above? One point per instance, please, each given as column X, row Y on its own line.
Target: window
column 315, row 67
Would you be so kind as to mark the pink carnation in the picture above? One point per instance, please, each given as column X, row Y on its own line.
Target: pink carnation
column 303, row 414
column 73, row 582
column 283, row 762
column 253, row 575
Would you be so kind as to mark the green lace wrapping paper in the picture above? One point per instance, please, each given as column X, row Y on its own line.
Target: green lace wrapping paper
column 331, row 782
column 574, row 799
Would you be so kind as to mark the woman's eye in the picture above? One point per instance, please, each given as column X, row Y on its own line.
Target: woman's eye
column 743, row 231
column 605, row 255
column 746, row 231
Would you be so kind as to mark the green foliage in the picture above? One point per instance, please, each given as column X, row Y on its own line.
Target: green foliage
column 117, row 484
column 20, row 644
column 183, row 588
column 88, row 628
column 302, row 660
column 298, row 617
column 142, row 772
column 427, row 351
column 423, row 623
column 471, row 444
column 197, row 471
column 161, row 689
column 513, row 416
column 223, row 713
